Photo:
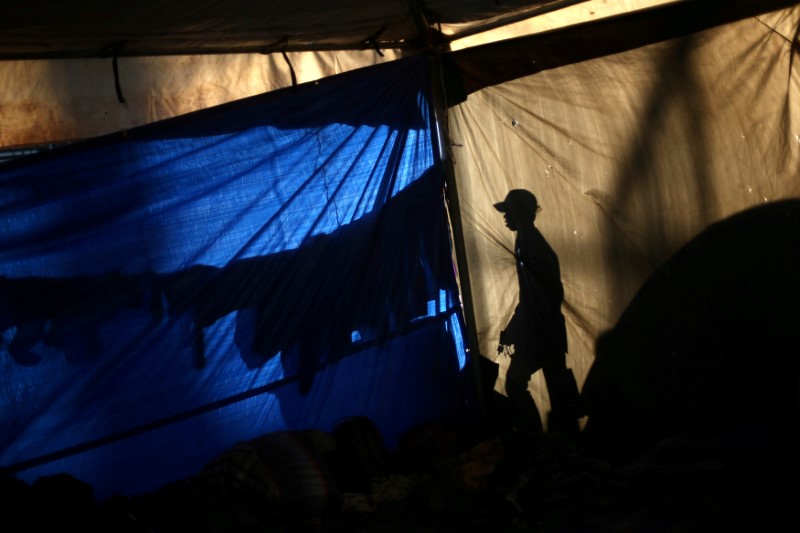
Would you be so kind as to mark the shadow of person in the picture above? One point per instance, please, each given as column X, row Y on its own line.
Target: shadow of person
column 709, row 345
column 537, row 330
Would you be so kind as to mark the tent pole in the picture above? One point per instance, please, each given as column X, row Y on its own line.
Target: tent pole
column 442, row 145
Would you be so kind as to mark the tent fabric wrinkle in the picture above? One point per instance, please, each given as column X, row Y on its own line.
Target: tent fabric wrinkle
column 278, row 262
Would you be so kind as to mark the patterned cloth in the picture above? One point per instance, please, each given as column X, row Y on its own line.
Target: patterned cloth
column 276, row 478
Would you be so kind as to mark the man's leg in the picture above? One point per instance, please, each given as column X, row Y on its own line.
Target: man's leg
column 565, row 400
column 526, row 414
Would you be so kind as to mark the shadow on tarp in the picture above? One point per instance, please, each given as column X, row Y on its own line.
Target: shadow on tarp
column 358, row 284
column 710, row 345
column 360, row 290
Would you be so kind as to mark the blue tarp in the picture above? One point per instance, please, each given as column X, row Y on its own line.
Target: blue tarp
column 279, row 262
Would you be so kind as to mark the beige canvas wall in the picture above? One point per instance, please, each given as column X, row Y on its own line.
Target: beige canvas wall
column 51, row 101
column 630, row 155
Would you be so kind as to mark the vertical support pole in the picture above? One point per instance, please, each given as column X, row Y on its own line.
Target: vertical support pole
column 442, row 145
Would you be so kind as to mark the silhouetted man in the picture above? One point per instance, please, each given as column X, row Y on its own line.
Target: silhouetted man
column 537, row 329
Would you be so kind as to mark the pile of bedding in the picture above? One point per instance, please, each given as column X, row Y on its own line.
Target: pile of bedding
column 440, row 481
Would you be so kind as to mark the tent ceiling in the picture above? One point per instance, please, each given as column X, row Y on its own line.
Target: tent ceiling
column 94, row 28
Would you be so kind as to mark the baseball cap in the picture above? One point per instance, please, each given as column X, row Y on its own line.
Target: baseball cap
column 518, row 200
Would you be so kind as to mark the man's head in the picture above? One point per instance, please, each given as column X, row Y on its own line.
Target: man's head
column 519, row 207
